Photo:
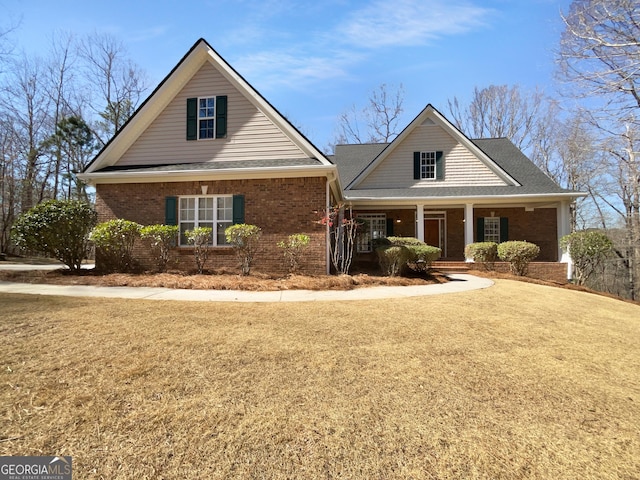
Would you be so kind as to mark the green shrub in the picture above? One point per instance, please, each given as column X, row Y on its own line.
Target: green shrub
column 59, row 228
column 422, row 257
column 397, row 253
column 244, row 239
column 200, row 238
column 519, row 255
column 162, row 239
column 482, row 252
column 293, row 248
column 406, row 241
column 393, row 258
column 588, row 251
column 114, row 241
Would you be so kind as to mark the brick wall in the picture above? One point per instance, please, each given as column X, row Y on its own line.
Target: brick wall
column 538, row 226
column 279, row 207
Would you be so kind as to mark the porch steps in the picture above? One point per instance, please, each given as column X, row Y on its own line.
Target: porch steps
column 446, row 266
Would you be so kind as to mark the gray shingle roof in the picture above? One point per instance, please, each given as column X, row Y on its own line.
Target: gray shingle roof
column 352, row 159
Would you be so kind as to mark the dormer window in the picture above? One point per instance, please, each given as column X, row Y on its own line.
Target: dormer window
column 428, row 165
column 207, row 117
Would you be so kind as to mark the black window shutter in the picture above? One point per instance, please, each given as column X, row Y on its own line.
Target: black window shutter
column 389, row 227
column 171, row 210
column 221, row 116
column 238, row 209
column 480, row 229
column 439, row 166
column 192, row 118
column 416, row 165
column 504, row 229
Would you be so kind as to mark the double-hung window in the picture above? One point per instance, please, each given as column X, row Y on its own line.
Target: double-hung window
column 428, row 165
column 374, row 228
column 215, row 212
column 207, row 117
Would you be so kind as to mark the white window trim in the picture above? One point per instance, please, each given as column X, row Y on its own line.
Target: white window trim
column 423, row 164
column 197, row 221
column 199, row 118
column 371, row 216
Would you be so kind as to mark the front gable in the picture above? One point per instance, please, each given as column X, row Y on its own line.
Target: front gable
column 449, row 159
column 250, row 134
column 157, row 133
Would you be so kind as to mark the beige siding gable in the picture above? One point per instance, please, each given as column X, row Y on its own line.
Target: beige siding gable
column 251, row 135
column 461, row 166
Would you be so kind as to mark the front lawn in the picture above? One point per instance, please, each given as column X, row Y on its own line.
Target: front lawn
column 515, row 381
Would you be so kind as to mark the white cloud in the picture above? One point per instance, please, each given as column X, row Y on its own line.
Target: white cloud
column 399, row 23
column 334, row 52
column 294, row 70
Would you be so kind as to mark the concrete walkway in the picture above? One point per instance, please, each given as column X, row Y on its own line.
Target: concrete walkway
column 459, row 283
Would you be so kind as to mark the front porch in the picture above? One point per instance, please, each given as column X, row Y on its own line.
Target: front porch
column 451, row 228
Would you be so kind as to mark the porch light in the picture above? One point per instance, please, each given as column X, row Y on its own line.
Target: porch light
column 398, row 220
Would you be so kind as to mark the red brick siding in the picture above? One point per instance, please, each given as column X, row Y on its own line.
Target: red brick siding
column 539, row 227
column 279, row 207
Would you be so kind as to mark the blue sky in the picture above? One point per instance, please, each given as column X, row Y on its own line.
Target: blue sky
column 313, row 60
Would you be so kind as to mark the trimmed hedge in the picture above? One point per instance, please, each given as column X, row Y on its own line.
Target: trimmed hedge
column 519, row 255
column 114, row 240
column 397, row 253
column 482, row 252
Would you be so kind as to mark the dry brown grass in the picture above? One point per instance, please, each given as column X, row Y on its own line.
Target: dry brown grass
column 515, row 381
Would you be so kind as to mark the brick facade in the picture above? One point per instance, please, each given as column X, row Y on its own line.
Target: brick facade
column 538, row 226
column 279, row 206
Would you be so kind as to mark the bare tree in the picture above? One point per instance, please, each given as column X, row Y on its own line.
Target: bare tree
column 8, row 183
column 599, row 56
column 118, row 82
column 26, row 106
column 599, row 53
column 500, row 111
column 377, row 122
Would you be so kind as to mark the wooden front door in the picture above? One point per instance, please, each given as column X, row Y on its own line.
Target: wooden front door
column 432, row 233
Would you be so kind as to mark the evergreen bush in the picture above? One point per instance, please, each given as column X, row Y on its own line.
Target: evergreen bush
column 519, row 254
column 58, row 228
column 244, row 239
column 114, row 241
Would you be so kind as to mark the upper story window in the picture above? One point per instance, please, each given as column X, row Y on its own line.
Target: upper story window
column 428, row 165
column 206, row 117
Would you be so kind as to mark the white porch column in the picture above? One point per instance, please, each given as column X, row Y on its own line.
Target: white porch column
column 420, row 222
column 468, row 225
column 564, row 228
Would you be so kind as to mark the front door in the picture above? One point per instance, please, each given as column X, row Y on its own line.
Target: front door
column 432, row 233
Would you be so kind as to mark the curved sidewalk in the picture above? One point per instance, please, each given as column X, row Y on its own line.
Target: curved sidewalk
column 459, row 283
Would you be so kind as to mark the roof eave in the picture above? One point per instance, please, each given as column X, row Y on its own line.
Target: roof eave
column 464, row 199
column 123, row 176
